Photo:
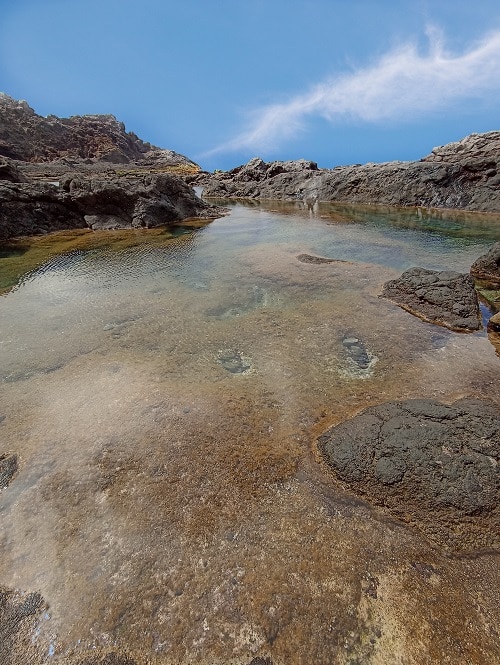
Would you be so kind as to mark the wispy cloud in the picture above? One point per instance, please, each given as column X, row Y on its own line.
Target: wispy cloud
column 404, row 83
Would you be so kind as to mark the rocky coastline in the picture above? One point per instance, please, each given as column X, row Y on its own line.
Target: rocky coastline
column 427, row 463
column 87, row 172
column 462, row 175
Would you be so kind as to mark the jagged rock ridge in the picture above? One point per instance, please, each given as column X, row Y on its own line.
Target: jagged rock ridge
column 464, row 175
column 29, row 137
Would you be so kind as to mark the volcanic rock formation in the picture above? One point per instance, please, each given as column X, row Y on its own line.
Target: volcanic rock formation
column 86, row 171
column 29, row 137
column 465, row 174
column 447, row 298
column 427, row 462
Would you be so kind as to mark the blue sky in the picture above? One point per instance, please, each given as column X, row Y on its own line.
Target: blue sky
column 335, row 81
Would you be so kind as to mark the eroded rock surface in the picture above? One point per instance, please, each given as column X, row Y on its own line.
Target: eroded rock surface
column 487, row 266
column 29, row 137
column 463, row 175
column 428, row 462
column 8, row 469
column 447, row 298
column 98, row 201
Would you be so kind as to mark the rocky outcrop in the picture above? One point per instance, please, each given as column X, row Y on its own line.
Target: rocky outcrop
column 487, row 266
column 463, row 175
column 9, row 171
column 79, row 200
column 29, row 137
column 428, row 462
column 446, row 298
column 57, row 173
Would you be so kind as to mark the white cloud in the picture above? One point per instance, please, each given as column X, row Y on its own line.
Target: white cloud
column 403, row 83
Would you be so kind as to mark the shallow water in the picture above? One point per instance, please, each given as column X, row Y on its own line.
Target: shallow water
column 163, row 393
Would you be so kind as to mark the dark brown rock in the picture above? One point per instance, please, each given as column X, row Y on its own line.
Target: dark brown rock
column 8, row 171
column 19, row 615
column 427, row 462
column 27, row 136
column 79, row 200
column 446, row 298
column 487, row 266
column 8, row 469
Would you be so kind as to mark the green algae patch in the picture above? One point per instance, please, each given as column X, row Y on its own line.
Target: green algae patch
column 24, row 255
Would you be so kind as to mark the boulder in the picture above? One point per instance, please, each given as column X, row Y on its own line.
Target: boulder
column 487, row 266
column 446, row 298
column 118, row 201
column 8, row 171
column 428, row 462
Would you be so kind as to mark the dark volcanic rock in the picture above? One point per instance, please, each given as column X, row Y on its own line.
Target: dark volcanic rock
column 8, row 469
column 29, row 137
column 258, row 179
column 487, row 266
column 81, row 201
column 463, row 175
column 315, row 260
column 9, row 171
column 426, row 461
column 447, row 298
column 64, row 178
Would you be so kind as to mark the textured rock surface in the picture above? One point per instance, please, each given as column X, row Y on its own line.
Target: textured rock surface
column 487, row 267
column 79, row 200
column 9, row 171
column 8, row 469
column 27, row 136
column 447, row 298
column 426, row 461
column 464, row 175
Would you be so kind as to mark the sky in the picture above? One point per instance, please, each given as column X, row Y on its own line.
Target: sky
column 221, row 81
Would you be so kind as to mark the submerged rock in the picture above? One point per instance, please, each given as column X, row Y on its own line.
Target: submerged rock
column 112, row 201
column 446, row 298
column 8, row 469
column 234, row 361
column 435, row 463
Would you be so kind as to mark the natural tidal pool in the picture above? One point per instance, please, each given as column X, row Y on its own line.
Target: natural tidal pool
column 163, row 391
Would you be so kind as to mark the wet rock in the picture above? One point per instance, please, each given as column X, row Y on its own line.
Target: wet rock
column 8, row 469
column 463, row 175
column 82, row 200
column 446, row 298
column 234, row 361
column 316, row 260
column 243, row 303
column 494, row 323
column 494, row 332
column 487, row 266
column 434, row 462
